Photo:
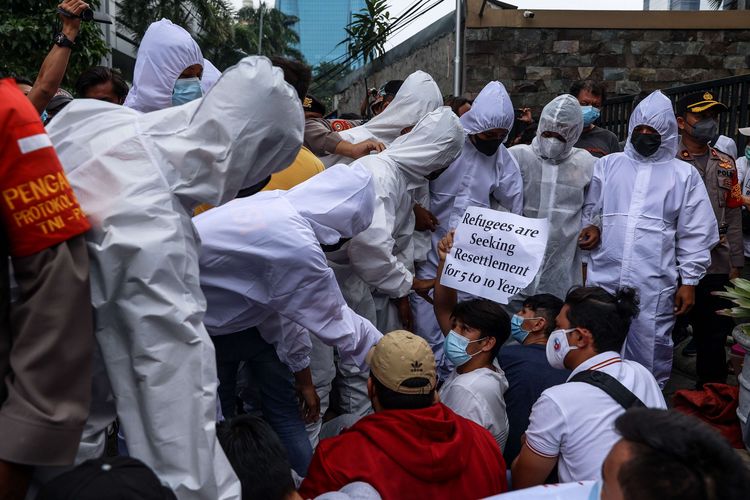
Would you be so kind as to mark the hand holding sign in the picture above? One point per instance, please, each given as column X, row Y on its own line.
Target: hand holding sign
column 494, row 254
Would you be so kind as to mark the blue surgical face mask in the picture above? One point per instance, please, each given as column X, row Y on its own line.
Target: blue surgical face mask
column 590, row 115
column 516, row 328
column 747, row 152
column 186, row 90
column 455, row 346
column 596, row 491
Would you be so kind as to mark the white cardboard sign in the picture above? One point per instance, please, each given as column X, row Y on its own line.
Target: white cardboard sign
column 495, row 254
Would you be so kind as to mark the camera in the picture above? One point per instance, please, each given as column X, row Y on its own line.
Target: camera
column 528, row 14
column 86, row 15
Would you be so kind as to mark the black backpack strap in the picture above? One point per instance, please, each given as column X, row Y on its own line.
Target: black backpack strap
column 611, row 386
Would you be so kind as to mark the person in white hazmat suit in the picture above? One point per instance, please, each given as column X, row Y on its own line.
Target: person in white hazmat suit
column 138, row 176
column 417, row 96
column 485, row 175
column 648, row 222
column 375, row 269
column 262, row 266
column 167, row 69
column 556, row 177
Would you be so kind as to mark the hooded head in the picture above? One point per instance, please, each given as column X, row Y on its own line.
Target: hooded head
column 433, row 144
column 491, row 109
column 338, row 202
column 418, row 95
column 165, row 52
column 210, row 75
column 654, row 111
column 211, row 148
column 561, row 116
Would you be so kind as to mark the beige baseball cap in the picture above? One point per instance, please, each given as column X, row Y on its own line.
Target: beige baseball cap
column 745, row 131
column 401, row 355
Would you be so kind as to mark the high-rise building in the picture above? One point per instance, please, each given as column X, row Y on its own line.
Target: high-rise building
column 321, row 26
column 677, row 5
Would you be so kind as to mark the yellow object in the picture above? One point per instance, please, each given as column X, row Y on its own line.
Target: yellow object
column 302, row 168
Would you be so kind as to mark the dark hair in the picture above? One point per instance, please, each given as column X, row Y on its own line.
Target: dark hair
column 676, row 456
column 487, row 317
column 96, row 75
column 296, row 73
column 392, row 400
column 547, row 306
column 606, row 316
column 257, row 457
column 23, row 80
column 455, row 102
column 528, row 134
column 599, row 89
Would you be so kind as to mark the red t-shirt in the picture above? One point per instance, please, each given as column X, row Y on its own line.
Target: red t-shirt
column 424, row 454
column 37, row 205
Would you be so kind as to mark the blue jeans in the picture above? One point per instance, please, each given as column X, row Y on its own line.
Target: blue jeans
column 274, row 384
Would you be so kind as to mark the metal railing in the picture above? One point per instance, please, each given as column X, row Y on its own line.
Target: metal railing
column 733, row 91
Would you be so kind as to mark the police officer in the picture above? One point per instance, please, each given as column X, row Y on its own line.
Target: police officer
column 697, row 118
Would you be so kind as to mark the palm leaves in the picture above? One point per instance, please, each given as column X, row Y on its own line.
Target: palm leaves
column 224, row 37
column 368, row 31
column 279, row 35
column 739, row 294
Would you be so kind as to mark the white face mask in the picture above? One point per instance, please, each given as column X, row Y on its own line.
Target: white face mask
column 558, row 347
column 550, row 147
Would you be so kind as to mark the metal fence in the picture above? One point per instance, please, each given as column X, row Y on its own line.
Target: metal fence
column 733, row 91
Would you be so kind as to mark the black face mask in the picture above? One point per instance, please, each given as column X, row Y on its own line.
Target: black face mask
column 486, row 147
column 645, row 144
column 335, row 246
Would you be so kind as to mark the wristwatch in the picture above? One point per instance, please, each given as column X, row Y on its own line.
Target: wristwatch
column 64, row 41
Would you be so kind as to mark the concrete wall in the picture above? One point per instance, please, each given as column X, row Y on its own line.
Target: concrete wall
column 538, row 58
column 431, row 50
column 536, row 64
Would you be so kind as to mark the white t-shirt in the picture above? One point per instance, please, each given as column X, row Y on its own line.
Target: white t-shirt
column 478, row 396
column 575, row 421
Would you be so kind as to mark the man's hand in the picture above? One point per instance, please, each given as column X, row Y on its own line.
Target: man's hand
column 310, row 403
column 684, row 299
column 445, row 245
column 589, row 238
column 423, row 287
column 424, row 219
column 364, row 148
column 735, row 273
column 404, row 313
column 72, row 25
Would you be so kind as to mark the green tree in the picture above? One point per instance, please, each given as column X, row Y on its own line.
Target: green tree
column 209, row 21
column 324, row 86
column 279, row 35
column 26, row 31
column 368, row 31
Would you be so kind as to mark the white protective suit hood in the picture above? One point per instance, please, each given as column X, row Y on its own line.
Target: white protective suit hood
column 210, row 76
column 418, row 95
column 562, row 115
column 491, row 109
column 165, row 52
column 207, row 149
column 433, row 144
column 656, row 112
column 338, row 202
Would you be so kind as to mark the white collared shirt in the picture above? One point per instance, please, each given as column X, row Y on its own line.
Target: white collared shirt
column 575, row 421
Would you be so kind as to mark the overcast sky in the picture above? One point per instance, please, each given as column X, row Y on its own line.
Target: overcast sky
column 398, row 6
